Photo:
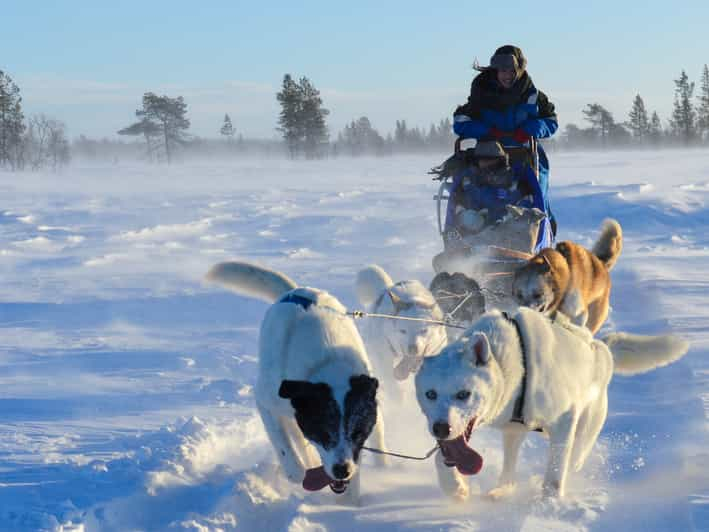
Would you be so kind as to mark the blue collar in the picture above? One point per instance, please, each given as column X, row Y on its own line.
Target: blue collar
column 297, row 300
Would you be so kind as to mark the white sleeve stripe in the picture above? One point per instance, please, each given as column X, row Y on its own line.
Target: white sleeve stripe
column 462, row 118
column 533, row 98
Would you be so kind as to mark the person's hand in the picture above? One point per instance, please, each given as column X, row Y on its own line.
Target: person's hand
column 520, row 135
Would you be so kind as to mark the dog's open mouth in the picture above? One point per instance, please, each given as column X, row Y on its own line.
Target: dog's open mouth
column 317, row 478
column 457, row 453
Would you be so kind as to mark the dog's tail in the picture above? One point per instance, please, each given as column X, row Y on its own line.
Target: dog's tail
column 371, row 282
column 609, row 243
column 251, row 280
column 633, row 354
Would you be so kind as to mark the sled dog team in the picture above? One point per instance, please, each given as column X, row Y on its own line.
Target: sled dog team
column 539, row 368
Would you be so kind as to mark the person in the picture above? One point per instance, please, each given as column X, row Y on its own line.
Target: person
column 505, row 106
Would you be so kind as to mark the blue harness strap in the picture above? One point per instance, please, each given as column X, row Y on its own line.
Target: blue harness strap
column 297, row 300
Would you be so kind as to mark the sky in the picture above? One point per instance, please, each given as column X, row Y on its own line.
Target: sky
column 88, row 63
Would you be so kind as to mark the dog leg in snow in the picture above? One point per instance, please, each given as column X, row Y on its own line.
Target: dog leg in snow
column 589, row 427
column 561, row 440
column 512, row 438
column 451, row 482
column 293, row 466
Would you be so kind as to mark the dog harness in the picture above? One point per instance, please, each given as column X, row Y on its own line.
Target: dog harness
column 517, row 414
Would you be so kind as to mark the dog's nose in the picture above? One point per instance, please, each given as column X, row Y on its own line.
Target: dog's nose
column 341, row 471
column 441, row 430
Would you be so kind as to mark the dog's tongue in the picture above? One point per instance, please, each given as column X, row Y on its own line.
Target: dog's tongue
column 456, row 452
column 316, row 479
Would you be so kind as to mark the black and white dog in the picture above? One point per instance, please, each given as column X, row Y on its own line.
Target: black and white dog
column 314, row 386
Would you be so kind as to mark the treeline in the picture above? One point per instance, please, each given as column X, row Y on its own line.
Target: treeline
column 36, row 142
column 160, row 130
column 688, row 125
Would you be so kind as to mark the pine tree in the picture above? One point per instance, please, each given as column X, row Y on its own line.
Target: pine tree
column 161, row 117
column 360, row 137
column 312, row 120
column 150, row 132
column 655, row 128
column 12, row 126
column 169, row 114
column 638, row 121
column 703, row 106
column 289, row 120
column 227, row 129
column 601, row 120
column 401, row 135
column 684, row 116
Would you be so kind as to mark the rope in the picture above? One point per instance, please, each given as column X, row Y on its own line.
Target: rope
column 362, row 314
column 468, row 296
column 379, row 451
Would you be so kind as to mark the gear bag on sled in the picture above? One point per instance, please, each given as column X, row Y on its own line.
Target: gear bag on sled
column 492, row 216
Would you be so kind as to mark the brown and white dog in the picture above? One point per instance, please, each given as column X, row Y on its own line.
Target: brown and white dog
column 571, row 279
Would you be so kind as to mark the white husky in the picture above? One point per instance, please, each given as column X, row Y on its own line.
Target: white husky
column 314, row 379
column 525, row 373
column 407, row 342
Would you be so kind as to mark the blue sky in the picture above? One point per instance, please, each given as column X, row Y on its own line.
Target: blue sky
column 89, row 62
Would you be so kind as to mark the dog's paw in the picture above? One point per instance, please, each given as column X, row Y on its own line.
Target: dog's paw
column 502, row 491
column 460, row 494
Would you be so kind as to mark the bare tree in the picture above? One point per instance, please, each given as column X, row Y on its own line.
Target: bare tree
column 47, row 144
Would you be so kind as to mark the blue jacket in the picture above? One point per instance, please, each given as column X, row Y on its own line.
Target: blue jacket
column 521, row 107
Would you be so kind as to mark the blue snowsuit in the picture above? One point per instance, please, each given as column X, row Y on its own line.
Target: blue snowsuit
column 521, row 107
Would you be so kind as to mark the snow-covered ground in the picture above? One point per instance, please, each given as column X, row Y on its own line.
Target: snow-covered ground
column 126, row 382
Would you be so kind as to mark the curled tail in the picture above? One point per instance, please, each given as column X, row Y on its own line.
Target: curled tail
column 633, row 354
column 251, row 280
column 371, row 281
column 609, row 243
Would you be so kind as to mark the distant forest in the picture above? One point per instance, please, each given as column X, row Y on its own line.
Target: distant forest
column 160, row 131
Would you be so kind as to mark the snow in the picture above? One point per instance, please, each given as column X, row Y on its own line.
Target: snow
column 126, row 398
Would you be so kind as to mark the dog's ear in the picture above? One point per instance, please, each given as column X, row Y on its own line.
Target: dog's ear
column 479, row 351
column 294, row 389
column 364, row 384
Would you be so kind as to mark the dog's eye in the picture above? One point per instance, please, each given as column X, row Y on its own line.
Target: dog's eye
column 462, row 395
column 432, row 395
column 537, row 295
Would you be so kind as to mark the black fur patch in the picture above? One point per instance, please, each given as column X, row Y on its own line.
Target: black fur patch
column 316, row 410
column 360, row 411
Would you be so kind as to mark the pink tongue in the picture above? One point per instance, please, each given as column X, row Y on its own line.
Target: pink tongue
column 316, row 479
column 465, row 459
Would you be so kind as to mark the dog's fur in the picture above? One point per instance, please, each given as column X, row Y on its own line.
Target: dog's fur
column 571, row 279
column 314, row 379
column 406, row 342
column 567, row 377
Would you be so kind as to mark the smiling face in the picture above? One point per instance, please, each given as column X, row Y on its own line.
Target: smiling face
column 506, row 77
column 455, row 389
column 338, row 431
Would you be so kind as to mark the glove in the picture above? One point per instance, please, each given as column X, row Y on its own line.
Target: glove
column 520, row 135
column 497, row 133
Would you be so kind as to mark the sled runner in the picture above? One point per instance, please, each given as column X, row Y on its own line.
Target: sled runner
column 492, row 217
